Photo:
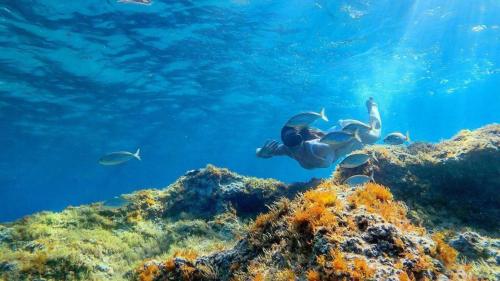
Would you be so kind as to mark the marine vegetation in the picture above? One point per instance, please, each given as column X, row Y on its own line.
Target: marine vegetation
column 204, row 211
column 328, row 233
column 454, row 182
column 452, row 186
column 212, row 224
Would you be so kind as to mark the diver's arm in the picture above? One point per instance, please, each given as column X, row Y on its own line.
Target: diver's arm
column 322, row 150
column 272, row 148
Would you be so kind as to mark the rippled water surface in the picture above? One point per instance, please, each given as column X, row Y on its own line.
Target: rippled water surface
column 197, row 82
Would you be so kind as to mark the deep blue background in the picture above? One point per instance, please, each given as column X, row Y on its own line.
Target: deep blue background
column 197, row 82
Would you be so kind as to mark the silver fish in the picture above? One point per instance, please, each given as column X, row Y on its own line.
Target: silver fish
column 351, row 125
column 117, row 201
column 306, row 118
column 354, row 160
column 119, row 157
column 140, row 2
column 358, row 180
column 397, row 138
column 340, row 137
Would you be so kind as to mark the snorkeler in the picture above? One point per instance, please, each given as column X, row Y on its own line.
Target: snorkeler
column 313, row 148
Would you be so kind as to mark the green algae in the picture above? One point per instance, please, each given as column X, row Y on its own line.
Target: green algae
column 98, row 242
column 83, row 244
column 210, row 213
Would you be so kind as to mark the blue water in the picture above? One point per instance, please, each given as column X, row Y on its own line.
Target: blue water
column 197, row 82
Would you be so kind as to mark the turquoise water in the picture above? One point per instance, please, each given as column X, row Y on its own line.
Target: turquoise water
column 197, row 82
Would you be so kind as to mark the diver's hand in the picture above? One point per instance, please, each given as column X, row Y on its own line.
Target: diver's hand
column 267, row 151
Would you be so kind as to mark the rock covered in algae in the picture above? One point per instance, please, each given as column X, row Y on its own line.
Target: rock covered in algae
column 204, row 211
column 482, row 251
column 206, row 192
column 452, row 183
column 201, row 227
column 328, row 233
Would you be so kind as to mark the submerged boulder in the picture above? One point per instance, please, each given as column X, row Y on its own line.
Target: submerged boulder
column 204, row 211
column 207, row 192
column 330, row 233
column 451, row 184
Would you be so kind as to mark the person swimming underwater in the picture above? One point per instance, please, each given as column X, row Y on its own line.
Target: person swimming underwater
column 310, row 149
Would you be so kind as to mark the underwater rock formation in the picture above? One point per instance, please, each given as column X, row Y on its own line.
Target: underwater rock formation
column 213, row 224
column 204, row 211
column 328, row 233
column 451, row 184
column 207, row 192
column 483, row 252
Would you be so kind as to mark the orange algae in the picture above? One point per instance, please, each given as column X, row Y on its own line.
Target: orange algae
column 339, row 263
column 378, row 199
column 361, row 270
column 444, row 252
column 321, row 197
column 315, row 211
column 258, row 277
column 315, row 215
column 423, row 263
column 148, row 273
column 187, row 272
column 403, row 276
column 169, row 264
column 313, row 275
column 321, row 260
column 189, row 255
column 262, row 221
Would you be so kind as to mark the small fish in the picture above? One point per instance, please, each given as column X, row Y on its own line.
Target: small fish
column 119, row 157
column 140, row 2
column 397, row 138
column 117, row 201
column 340, row 137
column 351, row 125
column 305, row 119
column 355, row 160
column 358, row 180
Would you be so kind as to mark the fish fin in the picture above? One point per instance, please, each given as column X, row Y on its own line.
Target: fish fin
column 322, row 139
column 342, row 123
column 136, row 154
column 408, row 136
column 323, row 115
column 374, row 157
column 356, row 136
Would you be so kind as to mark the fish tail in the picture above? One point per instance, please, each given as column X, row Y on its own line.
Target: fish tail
column 323, row 115
column 408, row 136
column 136, row 154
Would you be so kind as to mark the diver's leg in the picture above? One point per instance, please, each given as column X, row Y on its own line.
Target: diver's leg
column 374, row 115
column 375, row 123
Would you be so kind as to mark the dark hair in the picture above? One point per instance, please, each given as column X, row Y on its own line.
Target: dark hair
column 291, row 136
column 311, row 133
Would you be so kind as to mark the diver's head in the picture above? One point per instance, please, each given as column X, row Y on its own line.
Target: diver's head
column 308, row 133
column 291, row 136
